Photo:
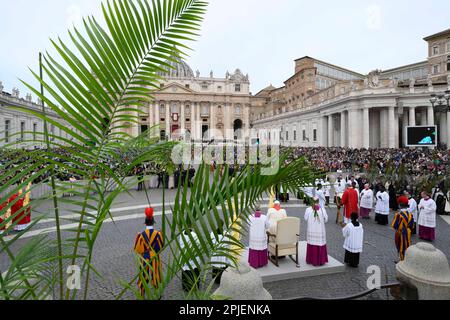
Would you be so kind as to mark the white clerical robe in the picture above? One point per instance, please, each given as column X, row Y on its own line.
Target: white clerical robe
column 366, row 199
column 186, row 242
column 412, row 203
column 257, row 234
column 427, row 213
column 354, row 238
column 326, row 189
column 316, row 234
column 339, row 188
column 382, row 206
column 322, row 200
column 309, row 191
column 219, row 261
column 274, row 216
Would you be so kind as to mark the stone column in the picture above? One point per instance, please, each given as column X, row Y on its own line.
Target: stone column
column 157, row 118
column 448, row 130
column 168, row 129
column 343, row 130
column 405, row 123
column 391, row 127
column 193, row 122
column 443, row 128
column 430, row 116
column 354, row 136
column 412, row 116
column 366, row 128
column 323, row 132
column 183, row 117
column 199, row 121
column 330, row 131
column 212, row 118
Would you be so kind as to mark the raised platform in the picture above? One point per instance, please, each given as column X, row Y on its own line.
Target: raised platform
column 288, row 270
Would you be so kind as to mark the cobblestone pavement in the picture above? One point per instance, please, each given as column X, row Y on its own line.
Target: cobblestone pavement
column 114, row 257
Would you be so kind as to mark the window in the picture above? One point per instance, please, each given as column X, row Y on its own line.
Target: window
column 448, row 63
column 237, row 87
column 435, row 50
column 315, row 135
column 205, row 86
column 304, row 135
column 34, row 130
column 7, row 128
column 219, row 88
column 22, row 131
column 436, row 69
column 287, row 135
column 238, row 110
column 295, row 135
column 448, row 45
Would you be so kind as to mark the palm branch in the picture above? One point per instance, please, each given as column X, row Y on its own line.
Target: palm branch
column 98, row 93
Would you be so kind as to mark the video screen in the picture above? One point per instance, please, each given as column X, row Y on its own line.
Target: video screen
column 422, row 136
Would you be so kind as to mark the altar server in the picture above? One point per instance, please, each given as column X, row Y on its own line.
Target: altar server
column 258, row 255
column 427, row 218
column 354, row 239
column 316, row 218
column 382, row 207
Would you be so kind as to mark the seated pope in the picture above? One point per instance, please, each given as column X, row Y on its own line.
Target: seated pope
column 274, row 215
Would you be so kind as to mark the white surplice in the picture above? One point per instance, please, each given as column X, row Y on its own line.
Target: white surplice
column 219, row 261
column 412, row 204
column 354, row 238
column 322, row 200
column 427, row 213
column 316, row 234
column 366, row 199
column 382, row 206
column 257, row 234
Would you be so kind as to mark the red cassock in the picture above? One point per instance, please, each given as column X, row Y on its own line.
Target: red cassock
column 350, row 202
column 24, row 217
column 2, row 206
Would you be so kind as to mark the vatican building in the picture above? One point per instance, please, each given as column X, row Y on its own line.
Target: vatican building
column 321, row 105
column 198, row 107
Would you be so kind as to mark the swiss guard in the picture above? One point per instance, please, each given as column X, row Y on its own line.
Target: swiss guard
column 148, row 244
column 21, row 210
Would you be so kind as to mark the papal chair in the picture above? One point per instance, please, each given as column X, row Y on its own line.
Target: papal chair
column 285, row 240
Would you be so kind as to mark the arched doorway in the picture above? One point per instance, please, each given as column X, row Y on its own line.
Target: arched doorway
column 237, row 126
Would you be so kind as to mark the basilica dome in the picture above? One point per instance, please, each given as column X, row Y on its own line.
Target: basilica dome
column 179, row 69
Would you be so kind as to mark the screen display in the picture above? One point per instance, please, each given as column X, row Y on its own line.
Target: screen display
column 422, row 136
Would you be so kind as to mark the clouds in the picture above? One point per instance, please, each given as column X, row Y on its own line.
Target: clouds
column 374, row 21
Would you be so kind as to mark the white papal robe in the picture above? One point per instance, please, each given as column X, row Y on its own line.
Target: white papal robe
column 274, row 215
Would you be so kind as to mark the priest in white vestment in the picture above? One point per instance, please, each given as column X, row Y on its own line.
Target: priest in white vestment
column 354, row 239
column 412, row 206
column 274, row 215
column 258, row 256
column 321, row 195
column 382, row 209
column 427, row 218
column 366, row 202
column 316, row 218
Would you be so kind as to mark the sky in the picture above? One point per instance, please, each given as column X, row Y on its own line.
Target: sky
column 260, row 37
